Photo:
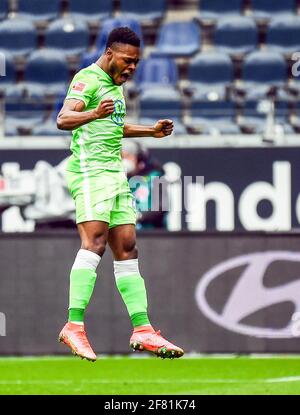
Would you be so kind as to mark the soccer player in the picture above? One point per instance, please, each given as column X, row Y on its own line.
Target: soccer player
column 94, row 109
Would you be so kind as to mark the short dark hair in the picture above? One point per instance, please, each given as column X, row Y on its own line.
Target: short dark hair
column 123, row 35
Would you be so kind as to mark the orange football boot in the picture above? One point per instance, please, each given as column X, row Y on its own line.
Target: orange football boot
column 144, row 338
column 74, row 336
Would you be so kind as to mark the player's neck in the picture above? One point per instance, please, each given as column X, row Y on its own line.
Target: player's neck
column 103, row 65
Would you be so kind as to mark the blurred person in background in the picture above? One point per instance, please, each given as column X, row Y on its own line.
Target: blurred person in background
column 142, row 169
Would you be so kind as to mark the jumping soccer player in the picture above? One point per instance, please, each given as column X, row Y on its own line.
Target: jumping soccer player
column 95, row 109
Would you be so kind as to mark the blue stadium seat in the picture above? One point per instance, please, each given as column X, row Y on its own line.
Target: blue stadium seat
column 68, row 36
column 155, row 72
column 178, row 39
column 283, row 34
column 254, row 116
column 213, row 117
column 46, row 74
column 266, row 9
column 47, row 70
column 90, row 10
column 214, row 9
column 113, row 23
column 143, row 11
column 49, row 127
column 22, row 115
column 3, row 9
column 160, row 103
column 88, row 58
column 209, row 74
column 17, row 37
column 236, row 35
column 10, row 77
column 39, row 10
column 262, row 71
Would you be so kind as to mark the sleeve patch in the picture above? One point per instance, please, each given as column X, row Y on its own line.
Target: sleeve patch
column 78, row 86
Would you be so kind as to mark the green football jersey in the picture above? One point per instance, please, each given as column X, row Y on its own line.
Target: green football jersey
column 97, row 145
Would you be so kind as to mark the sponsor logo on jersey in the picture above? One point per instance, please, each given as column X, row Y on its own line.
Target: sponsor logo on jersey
column 78, row 86
column 119, row 113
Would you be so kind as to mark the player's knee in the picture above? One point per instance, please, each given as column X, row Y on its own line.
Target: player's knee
column 129, row 251
column 96, row 245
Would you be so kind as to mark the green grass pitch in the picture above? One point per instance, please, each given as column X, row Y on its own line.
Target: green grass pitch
column 150, row 376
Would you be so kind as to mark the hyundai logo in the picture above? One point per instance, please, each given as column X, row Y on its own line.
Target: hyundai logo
column 250, row 295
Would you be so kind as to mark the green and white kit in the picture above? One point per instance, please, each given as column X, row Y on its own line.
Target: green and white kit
column 95, row 173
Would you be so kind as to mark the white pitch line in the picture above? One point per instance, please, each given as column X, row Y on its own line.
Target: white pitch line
column 161, row 381
column 284, row 379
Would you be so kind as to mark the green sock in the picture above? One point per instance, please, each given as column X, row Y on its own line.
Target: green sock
column 133, row 291
column 82, row 282
column 76, row 314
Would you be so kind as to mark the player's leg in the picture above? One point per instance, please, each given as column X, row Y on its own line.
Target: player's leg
column 92, row 218
column 83, row 275
column 130, row 283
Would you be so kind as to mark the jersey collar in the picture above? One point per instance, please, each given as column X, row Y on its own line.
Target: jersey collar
column 101, row 72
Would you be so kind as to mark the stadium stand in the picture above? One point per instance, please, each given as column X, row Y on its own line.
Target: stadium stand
column 48, row 127
column 253, row 118
column 210, row 74
column 10, row 73
column 214, row 9
column 39, row 10
column 214, row 51
column 236, row 35
column 293, row 87
column 88, row 58
column 3, row 9
column 22, row 116
column 261, row 72
column 18, row 37
column 46, row 70
column 295, row 118
column 266, row 9
column 156, row 72
column 159, row 103
column 68, row 36
column 178, row 39
column 143, row 11
column 213, row 116
column 90, row 10
column 46, row 74
column 283, row 34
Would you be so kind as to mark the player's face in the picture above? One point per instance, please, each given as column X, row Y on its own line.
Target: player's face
column 123, row 60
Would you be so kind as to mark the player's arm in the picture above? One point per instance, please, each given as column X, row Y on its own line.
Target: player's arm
column 161, row 129
column 72, row 114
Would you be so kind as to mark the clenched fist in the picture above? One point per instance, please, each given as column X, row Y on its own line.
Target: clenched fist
column 163, row 128
column 104, row 108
